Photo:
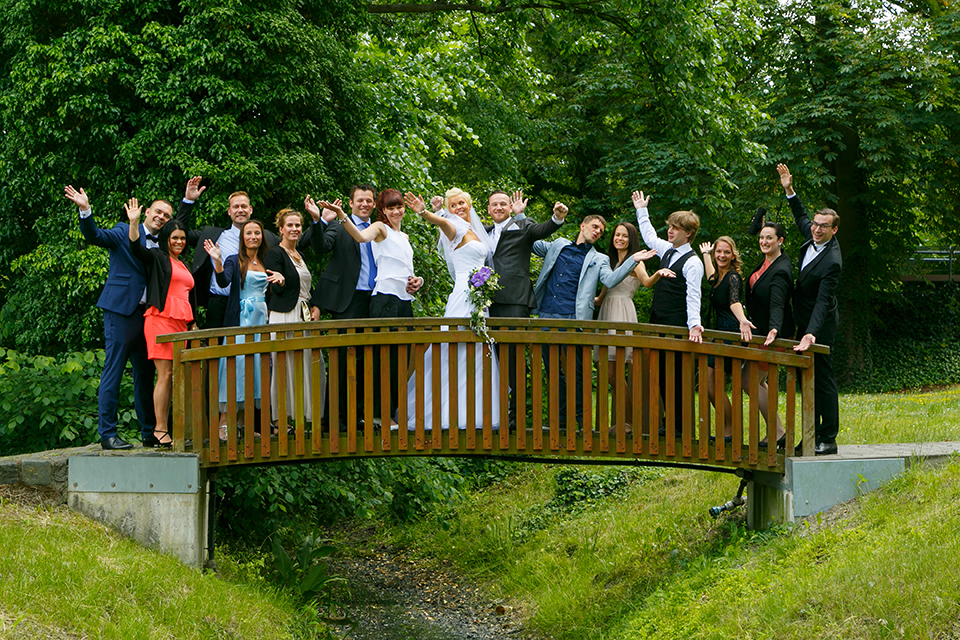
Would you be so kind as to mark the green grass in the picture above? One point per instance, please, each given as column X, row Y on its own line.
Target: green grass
column 650, row 562
column 64, row 576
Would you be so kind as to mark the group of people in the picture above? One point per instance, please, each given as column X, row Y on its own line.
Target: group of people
column 245, row 275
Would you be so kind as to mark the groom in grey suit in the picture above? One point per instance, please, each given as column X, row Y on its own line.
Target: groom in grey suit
column 568, row 284
column 512, row 237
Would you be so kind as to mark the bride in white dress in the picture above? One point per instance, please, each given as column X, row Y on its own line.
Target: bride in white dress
column 465, row 246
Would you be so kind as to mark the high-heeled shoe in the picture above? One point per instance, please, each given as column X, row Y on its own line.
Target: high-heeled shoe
column 154, row 442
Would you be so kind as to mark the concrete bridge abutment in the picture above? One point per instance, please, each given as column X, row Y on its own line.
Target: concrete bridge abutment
column 159, row 499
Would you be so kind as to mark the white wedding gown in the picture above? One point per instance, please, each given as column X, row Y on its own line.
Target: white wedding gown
column 464, row 261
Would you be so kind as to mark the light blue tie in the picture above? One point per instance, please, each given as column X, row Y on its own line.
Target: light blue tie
column 372, row 280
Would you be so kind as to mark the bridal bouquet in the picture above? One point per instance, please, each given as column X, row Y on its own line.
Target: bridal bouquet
column 484, row 283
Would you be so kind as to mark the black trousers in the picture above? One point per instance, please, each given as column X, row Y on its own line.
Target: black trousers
column 216, row 310
column 384, row 305
column 498, row 310
column 359, row 308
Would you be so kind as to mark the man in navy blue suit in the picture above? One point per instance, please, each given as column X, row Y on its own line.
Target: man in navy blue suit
column 123, row 304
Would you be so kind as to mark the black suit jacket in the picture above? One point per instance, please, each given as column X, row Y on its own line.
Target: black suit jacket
column 159, row 271
column 815, row 294
column 768, row 301
column 338, row 282
column 282, row 298
column 511, row 260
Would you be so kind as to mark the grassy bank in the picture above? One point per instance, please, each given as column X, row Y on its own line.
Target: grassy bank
column 64, row 576
column 644, row 560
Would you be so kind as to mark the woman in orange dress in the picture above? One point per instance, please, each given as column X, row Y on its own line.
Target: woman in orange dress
column 171, row 307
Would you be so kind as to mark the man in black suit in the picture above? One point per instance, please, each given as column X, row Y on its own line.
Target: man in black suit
column 815, row 307
column 512, row 237
column 209, row 293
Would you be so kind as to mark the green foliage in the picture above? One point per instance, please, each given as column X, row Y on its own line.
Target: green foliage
column 130, row 99
column 575, row 491
column 916, row 339
column 304, row 574
column 48, row 403
column 254, row 502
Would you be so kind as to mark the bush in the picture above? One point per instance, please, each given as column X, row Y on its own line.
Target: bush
column 256, row 501
column 48, row 403
column 916, row 340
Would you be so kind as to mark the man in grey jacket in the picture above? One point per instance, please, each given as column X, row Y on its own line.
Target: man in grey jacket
column 568, row 283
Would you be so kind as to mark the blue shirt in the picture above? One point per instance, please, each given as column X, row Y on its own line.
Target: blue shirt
column 561, row 287
column 229, row 242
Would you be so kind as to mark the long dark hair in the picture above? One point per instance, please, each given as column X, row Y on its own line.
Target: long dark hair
column 261, row 250
column 633, row 243
column 163, row 238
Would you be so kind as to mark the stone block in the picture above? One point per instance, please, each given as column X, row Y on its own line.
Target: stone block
column 36, row 472
column 9, row 472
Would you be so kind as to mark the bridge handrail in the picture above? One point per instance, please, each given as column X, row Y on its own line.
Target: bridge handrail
column 552, row 342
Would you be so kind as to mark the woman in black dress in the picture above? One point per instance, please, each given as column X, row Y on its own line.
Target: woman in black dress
column 769, row 289
column 721, row 263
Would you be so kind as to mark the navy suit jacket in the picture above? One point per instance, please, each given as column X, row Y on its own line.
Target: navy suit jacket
column 126, row 279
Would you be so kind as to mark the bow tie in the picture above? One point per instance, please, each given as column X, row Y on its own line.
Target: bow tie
column 154, row 238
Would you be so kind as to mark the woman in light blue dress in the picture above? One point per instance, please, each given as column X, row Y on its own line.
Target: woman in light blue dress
column 246, row 306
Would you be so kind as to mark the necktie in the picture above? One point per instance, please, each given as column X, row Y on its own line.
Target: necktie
column 153, row 238
column 372, row 280
column 667, row 257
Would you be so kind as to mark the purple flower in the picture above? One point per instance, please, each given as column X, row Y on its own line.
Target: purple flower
column 480, row 276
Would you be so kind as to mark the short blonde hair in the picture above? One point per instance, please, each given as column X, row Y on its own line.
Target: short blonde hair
column 686, row 220
column 453, row 193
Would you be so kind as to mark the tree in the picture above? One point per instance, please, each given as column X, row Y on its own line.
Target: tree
column 130, row 99
column 862, row 104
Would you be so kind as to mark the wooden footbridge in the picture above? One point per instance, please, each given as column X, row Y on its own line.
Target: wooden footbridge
column 539, row 432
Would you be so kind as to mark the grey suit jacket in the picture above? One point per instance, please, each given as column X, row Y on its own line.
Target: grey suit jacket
column 596, row 269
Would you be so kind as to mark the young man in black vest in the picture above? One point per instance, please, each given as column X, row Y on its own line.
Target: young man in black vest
column 815, row 308
column 676, row 301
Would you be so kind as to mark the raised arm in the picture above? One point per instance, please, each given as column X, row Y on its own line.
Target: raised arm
column 612, row 277
column 796, row 207
column 706, row 249
column 419, row 207
column 94, row 235
column 647, row 232
column 133, row 209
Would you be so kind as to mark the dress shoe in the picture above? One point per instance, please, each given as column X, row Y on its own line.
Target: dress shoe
column 115, row 443
column 825, row 448
column 821, row 449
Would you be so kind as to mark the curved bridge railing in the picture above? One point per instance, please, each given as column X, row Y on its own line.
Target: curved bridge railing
column 337, row 430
